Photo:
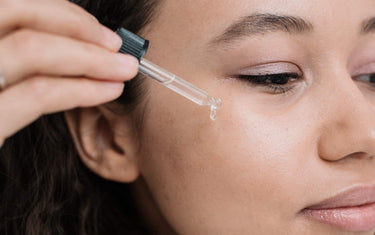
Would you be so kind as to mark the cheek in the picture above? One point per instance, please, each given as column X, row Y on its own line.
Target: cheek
column 245, row 163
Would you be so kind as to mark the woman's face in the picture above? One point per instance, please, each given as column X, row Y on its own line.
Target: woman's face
column 297, row 124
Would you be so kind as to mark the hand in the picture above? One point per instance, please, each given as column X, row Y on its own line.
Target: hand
column 55, row 56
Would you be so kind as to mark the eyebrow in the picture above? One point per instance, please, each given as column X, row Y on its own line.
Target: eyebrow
column 368, row 26
column 262, row 24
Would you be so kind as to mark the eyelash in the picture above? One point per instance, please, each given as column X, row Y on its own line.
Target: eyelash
column 277, row 83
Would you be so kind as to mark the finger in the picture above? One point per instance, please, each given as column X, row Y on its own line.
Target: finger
column 26, row 101
column 57, row 17
column 26, row 53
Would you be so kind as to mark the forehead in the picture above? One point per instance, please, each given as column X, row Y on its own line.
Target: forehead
column 213, row 15
column 187, row 26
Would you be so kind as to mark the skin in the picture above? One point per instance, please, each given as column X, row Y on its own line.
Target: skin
column 267, row 156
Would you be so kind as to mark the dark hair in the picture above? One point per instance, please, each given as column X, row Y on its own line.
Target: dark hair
column 45, row 188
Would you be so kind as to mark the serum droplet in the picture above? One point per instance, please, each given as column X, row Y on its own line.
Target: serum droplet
column 215, row 106
column 213, row 114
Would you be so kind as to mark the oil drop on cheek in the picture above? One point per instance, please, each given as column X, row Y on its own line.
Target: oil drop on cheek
column 215, row 106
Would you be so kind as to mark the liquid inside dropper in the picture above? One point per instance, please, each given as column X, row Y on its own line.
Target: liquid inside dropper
column 180, row 86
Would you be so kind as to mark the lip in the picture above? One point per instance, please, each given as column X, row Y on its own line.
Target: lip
column 351, row 210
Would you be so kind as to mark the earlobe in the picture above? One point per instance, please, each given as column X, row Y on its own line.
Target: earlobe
column 108, row 153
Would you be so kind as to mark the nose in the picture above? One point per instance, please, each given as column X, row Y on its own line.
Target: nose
column 349, row 122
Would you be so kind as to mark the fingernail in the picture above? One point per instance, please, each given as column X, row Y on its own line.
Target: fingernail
column 128, row 64
column 113, row 41
column 112, row 89
column 118, row 86
column 93, row 18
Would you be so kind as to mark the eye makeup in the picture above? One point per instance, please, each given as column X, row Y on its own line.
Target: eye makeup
column 277, row 83
column 276, row 78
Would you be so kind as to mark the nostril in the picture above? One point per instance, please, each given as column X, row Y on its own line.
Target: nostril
column 351, row 157
column 360, row 155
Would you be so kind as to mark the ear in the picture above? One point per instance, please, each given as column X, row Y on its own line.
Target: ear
column 106, row 142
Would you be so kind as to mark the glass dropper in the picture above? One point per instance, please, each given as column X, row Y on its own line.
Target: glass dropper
column 137, row 46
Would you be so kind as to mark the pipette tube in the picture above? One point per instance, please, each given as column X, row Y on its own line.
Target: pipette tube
column 177, row 84
column 137, row 46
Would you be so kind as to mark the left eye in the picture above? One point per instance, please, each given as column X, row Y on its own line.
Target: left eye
column 366, row 78
column 276, row 83
column 270, row 79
